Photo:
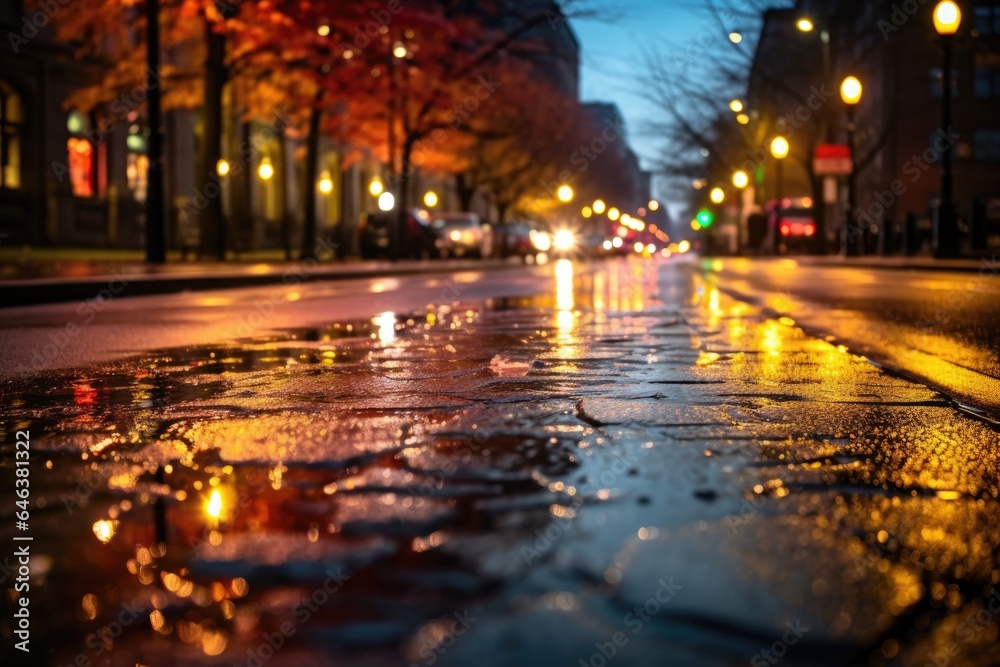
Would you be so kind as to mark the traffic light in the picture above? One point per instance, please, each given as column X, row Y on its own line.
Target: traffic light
column 705, row 218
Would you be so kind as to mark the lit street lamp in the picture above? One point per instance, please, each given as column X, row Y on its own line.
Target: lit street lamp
column 736, row 106
column 740, row 181
column 718, row 195
column 850, row 92
column 947, row 20
column 779, row 149
column 565, row 194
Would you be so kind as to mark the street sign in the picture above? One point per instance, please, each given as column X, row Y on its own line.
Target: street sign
column 833, row 160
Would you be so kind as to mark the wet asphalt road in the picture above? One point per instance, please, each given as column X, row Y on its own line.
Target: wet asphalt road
column 567, row 465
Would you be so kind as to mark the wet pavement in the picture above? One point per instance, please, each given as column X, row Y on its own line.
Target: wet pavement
column 622, row 465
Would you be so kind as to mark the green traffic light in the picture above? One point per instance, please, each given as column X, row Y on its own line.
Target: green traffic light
column 705, row 218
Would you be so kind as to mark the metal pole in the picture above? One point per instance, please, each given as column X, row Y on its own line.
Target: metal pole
column 780, row 173
column 156, row 251
column 394, row 218
column 852, row 236
column 947, row 241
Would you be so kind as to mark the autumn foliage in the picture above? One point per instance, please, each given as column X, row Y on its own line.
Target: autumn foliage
column 436, row 85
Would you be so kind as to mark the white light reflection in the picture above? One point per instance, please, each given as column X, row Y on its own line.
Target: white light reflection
column 386, row 327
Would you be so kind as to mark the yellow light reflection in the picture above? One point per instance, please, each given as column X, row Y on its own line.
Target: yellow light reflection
column 104, row 530
column 564, row 285
column 213, row 508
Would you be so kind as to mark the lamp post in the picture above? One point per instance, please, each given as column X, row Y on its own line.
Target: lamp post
column 947, row 19
column 740, row 181
column 156, row 245
column 779, row 149
column 850, row 93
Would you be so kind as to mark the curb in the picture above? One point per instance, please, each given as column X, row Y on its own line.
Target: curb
column 40, row 291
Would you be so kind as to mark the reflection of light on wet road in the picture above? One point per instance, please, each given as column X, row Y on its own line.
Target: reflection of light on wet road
column 386, row 327
column 564, row 285
column 213, row 508
column 600, row 289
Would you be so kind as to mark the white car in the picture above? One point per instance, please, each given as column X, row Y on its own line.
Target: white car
column 462, row 235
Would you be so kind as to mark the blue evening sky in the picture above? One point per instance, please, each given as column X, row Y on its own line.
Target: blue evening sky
column 613, row 53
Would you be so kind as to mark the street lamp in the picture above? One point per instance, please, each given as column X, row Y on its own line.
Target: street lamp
column 600, row 207
column 741, row 180
column 742, row 119
column 718, row 195
column 779, row 149
column 654, row 205
column 736, row 106
column 565, row 194
column 614, row 214
column 376, row 187
column 850, row 92
column 326, row 182
column 430, row 199
column 805, row 25
column 386, row 202
column 947, row 20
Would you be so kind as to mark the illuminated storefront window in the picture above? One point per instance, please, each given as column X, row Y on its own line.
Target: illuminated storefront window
column 137, row 168
column 11, row 131
column 80, row 153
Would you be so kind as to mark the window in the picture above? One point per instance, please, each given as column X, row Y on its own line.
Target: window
column 11, row 131
column 937, row 85
column 987, row 81
column 986, row 144
column 80, row 153
column 988, row 19
column 137, row 166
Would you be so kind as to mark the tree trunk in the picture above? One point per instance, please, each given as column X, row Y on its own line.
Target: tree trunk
column 465, row 191
column 308, row 248
column 213, row 233
column 403, row 201
column 281, row 173
column 241, row 189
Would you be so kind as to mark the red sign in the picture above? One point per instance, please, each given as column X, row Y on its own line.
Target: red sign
column 833, row 160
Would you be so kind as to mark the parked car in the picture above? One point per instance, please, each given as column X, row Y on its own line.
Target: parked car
column 462, row 235
column 795, row 231
column 513, row 239
column 417, row 238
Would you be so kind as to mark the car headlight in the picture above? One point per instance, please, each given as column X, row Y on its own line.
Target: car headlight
column 564, row 240
column 455, row 236
column 542, row 241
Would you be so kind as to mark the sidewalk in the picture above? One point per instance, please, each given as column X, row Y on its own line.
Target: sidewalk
column 73, row 278
column 988, row 261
